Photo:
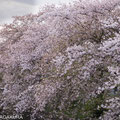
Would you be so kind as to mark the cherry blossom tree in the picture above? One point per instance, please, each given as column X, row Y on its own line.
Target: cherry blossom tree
column 62, row 63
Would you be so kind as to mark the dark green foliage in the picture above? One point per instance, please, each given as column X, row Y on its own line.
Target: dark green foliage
column 1, row 76
column 90, row 109
column 79, row 109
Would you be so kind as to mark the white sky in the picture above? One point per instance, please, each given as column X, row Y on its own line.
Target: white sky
column 9, row 8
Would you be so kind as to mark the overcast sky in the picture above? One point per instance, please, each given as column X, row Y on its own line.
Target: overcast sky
column 9, row 8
